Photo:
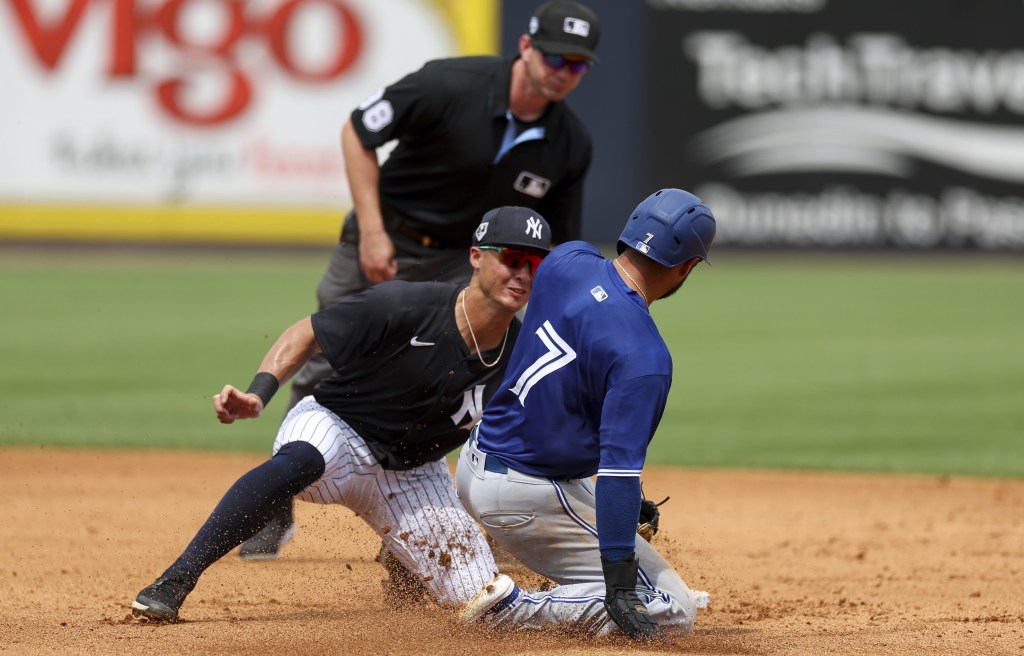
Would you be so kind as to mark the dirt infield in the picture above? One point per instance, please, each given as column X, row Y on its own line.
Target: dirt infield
column 795, row 563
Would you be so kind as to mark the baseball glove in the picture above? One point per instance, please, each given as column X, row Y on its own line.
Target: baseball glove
column 650, row 517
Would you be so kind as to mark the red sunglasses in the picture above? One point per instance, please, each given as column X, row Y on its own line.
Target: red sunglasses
column 514, row 258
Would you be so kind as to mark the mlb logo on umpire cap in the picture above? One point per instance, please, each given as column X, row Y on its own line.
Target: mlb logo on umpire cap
column 513, row 226
column 576, row 26
column 560, row 27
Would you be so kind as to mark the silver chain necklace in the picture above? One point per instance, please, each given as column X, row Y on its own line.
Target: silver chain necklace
column 626, row 273
column 473, row 335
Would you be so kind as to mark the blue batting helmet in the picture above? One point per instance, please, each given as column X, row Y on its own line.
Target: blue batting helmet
column 670, row 227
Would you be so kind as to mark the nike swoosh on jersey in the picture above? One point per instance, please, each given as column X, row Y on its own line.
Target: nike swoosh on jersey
column 416, row 342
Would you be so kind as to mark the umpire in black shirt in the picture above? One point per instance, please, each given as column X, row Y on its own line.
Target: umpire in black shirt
column 472, row 133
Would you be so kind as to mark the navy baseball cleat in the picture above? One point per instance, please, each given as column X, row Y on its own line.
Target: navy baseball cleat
column 499, row 593
column 162, row 600
column 266, row 545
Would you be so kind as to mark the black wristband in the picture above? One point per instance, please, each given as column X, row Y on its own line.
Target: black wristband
column 621, row 574
column 263, row 385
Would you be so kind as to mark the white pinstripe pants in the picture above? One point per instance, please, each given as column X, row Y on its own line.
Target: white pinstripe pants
column 415, row 511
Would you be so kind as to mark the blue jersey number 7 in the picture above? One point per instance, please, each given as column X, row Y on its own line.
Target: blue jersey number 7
column 558, row 355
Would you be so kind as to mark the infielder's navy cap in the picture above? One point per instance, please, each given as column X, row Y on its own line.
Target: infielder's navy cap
column 513, row 226
column 565, row 28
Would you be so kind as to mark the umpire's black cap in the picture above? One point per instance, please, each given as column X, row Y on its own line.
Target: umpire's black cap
column 513, row 226
column 565, row 28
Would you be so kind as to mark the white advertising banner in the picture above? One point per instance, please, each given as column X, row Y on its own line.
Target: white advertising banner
column 192, row 103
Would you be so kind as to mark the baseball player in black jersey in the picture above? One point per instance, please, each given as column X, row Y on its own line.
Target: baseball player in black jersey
column 414, row 364
column 472, row 133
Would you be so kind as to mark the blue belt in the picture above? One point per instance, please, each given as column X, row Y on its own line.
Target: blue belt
column 494, row 465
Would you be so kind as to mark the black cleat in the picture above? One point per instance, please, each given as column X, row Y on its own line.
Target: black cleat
column 266, row 545
column 162, row 600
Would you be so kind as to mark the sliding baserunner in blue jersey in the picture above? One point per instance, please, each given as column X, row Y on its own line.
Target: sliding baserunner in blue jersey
column 582, row 396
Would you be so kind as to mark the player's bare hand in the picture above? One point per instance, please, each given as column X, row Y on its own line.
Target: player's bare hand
column 377, row 257
column 232, row 404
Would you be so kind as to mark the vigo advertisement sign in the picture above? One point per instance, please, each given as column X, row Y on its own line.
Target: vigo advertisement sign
column 842, row 123
column 195, row 102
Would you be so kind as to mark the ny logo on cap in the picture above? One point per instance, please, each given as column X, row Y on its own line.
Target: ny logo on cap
column 576, row 26
column 534, row 227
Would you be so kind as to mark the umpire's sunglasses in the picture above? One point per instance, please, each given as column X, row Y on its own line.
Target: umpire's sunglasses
column 557, row 62
column 515, row 258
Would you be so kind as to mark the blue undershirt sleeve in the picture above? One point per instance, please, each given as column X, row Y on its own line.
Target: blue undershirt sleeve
column 618, row 510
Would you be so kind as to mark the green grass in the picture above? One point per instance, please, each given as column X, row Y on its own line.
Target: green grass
column 848, row 363
column 876, row 364
column 123, row 348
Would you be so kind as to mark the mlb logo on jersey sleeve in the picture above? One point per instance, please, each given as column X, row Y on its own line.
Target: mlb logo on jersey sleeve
column 532, row 184
column 599, row 293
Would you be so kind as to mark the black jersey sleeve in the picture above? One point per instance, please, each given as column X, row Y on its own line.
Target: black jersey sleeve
column 412, row 104
column 358, row 326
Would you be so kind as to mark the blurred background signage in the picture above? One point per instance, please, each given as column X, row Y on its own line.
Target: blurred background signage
column 213, row 119
column 827, row 124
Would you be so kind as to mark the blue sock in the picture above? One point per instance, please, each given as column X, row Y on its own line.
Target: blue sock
column 618, row 508
column 249, row 504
